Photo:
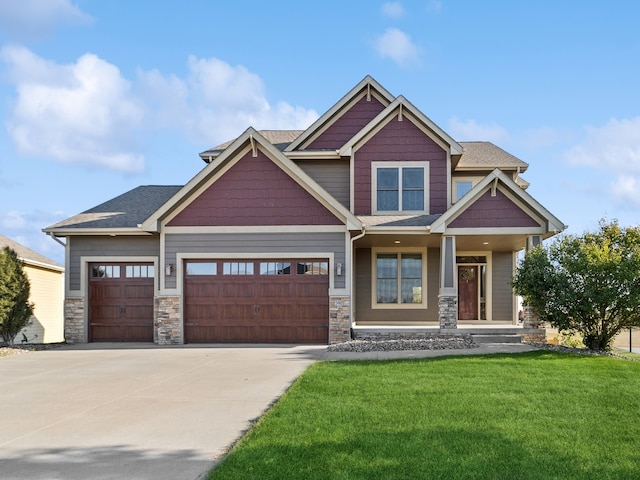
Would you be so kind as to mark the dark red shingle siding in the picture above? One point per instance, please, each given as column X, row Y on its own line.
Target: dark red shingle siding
column 401, row 141
column 350, row 123
column 498, row 211
column 255, row 191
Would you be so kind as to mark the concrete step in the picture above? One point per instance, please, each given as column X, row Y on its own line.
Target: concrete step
column 496, row 338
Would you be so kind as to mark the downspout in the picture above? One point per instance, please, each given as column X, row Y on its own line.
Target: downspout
column 353, row 279
column 57, row 239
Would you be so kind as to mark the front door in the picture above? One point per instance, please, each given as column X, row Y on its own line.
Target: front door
column 468, row 292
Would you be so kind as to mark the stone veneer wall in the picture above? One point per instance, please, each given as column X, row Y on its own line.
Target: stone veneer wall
column 531, row 319
column 167, row 327
column 339, row 320
column 448, row 311
column 74, row 324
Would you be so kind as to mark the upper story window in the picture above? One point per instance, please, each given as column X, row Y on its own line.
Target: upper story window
column 462, row 188
column 400, row 187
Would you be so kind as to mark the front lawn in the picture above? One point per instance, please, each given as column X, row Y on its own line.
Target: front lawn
column 539, row 415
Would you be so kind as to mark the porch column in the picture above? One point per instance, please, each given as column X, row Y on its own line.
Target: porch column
column 448, row 297
column 531, row 319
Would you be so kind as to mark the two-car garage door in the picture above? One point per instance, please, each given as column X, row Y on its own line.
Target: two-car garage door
column 256, row 301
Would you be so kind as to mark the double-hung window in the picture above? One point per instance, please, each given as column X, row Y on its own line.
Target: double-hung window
column 399, row 279
column 400, row 187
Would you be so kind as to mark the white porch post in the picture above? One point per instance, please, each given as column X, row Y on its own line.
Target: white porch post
column 448, row 297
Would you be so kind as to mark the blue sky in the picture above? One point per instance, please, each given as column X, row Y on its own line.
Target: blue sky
column 100, row 96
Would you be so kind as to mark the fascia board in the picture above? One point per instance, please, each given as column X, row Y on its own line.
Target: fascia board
column 324, row 118
column 554, row 225
column 288, row 166
column 67, row 232
column 456, row 148
column 152, row 223
column 309, row 184
column 347, row 149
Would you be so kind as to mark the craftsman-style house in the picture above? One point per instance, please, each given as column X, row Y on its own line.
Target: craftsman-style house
column 372, row 219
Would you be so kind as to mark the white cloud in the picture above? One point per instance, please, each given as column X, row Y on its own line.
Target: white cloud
column 473, row 131
column 25, row 19
column 398, row 46
column 82, row 113
column 614, row 149
column 217, row 101
column 393, row 9
column 86, row 113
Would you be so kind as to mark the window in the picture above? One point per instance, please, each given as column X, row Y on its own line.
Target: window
column 462, row 188
column 139, row 271
column 399, row 279
column 237, row 268
column 105, row 271
column 201, row 268
column 275, row 268
column 313, row 268
column 400, row 187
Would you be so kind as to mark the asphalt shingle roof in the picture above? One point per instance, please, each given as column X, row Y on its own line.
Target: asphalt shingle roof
column 278, row 138
column 397, row 220
column 125, row 211
column 489, row 156
column 26, row 254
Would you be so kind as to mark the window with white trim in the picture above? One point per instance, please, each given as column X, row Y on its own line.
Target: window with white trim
column 399, row 279
column 462, row 188
column 400, row 187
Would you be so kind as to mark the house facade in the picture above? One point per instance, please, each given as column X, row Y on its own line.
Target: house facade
column 373, row 218
column 46, row 280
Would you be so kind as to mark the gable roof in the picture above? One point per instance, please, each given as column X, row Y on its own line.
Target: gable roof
column 401, row 105
column 278, row 138
column 125, row 212
column 253, row 139
column 367, row 83
column 553, row 224
column 29, row 256
column 485, row 155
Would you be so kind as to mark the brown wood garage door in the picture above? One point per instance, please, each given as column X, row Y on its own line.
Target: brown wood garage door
column 257, row 301
column 121, row 302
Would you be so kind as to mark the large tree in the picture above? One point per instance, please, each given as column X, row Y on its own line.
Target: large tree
column 15, row 308
column 587, row 284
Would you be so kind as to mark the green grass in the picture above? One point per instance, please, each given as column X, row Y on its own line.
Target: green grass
column 540, row 415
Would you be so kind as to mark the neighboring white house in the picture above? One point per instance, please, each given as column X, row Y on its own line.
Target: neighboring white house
column 47, row 293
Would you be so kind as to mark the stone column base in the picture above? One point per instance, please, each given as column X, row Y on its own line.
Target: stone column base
column 448, row 311
column 339, row 320
column 75, row 328
column 167, row 327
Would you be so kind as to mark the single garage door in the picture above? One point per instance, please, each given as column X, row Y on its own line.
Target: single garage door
column 257, row 301
column 121, row 302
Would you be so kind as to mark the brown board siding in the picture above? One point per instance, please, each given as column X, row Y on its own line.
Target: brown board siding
column 332, row 175
column 497, row 211
column 349, row 123
column 401, row 141
column 257, row 243
column 254, row 191
column 502, row 293
column 364, row 283
column 96, row 246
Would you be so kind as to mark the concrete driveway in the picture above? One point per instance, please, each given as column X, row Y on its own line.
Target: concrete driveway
column 114, row 411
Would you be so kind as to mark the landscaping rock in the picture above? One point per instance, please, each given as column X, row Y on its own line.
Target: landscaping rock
column 435, row 342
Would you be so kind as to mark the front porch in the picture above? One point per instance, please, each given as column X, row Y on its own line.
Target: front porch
column 494, row 333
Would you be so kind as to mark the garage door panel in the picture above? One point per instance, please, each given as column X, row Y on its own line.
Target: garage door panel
column 121, row 307
column 237, row 290
column 257, row 308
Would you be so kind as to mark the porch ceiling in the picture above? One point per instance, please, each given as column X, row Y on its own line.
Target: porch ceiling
column 496, row 243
